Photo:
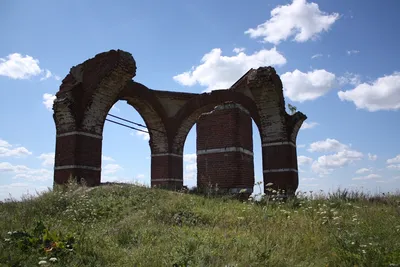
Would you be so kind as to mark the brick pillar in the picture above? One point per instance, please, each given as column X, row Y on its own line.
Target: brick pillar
column 167, row 170
column 280, row 166
column 225, row 149
column 78, row 154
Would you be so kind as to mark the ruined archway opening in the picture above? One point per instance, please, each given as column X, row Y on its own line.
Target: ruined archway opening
column 125, row 150
column 223, row 150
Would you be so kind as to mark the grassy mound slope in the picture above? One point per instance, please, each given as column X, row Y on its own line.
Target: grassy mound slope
column 128, row 225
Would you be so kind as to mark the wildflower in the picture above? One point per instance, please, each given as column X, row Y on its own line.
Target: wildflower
column 269, row 184
column 53, row 259
column 363, row 246
column 42, row 262
column 7, row 239
column 363, row 251
column 9, row 233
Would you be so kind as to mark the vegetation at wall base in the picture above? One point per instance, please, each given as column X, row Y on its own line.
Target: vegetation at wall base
column 131, row 225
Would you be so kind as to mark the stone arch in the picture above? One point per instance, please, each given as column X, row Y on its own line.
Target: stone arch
column 191, row 111
column 82, row 104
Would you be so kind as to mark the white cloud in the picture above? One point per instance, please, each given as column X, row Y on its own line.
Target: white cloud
column 394, row 163
column 48, row 100
column 307, row 125
column 26, row 173
column 17, row 190
column 372, row 157
column 7, row 150
column 111, row 168
column 106, row 158
column 351, row 52
column 143, row 135
column 316, row 56
column 190, row 168
column 220, row 72
column 48, row 159
column 381, row 94
column 394, row 160
column 300, row 86
column 328, row 145
column 301, row 146
column 239, row 49
column 300, row 19
column 327, row 163
column 363, row 170
column 394, row 167
column 16, row 66
column 368, row 177
column 349, row 78
column 303, row 160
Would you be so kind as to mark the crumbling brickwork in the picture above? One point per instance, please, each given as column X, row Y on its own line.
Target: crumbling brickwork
column 225, row 149
column 90, row 90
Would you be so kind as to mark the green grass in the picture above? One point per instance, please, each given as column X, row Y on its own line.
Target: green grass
column 129, row 225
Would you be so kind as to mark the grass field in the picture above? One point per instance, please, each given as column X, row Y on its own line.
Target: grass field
column 130, row 225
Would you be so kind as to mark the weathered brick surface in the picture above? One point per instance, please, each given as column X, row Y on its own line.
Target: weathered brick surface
column 91, row 177
column 279, row 157
column 166, row 167
column 78, row 150
column 228, row 170
column 287, row 181
column 227, row 126
column 90, row 89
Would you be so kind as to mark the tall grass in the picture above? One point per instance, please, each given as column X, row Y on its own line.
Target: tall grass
column 131, row 225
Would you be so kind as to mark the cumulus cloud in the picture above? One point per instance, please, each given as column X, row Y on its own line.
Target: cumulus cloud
column 303, row 160
column 349, row 78
column 363, row 170
column 381, row 94
column 26, row 173
column 190, row 168
column 7, row 150
column 16, row 66
column 372, row 157
column 328, row 145
column 238, row 49
column 48, row 100
column 368, row 177
column 309, row 125
column 327, row 163
column 19, row 67
column 220, row 72
column 300, row 19
column 111, row 168
column 394, row 163
column 299, row 86
column 47, row 158
column 394, row 160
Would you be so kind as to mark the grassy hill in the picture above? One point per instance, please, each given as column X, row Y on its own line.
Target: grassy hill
column 129, row 225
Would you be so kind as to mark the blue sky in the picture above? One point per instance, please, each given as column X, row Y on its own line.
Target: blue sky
column 338, row 61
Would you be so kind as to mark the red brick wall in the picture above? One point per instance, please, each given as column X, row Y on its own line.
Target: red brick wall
column 78, row 152
column 224, row 128
column 167, row 171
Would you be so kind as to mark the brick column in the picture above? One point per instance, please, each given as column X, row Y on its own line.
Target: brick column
column 167, row 170
column 225, row 149
column 280, row 166
column 78, row 154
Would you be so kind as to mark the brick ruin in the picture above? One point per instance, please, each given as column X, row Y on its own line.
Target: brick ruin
column 223, row 117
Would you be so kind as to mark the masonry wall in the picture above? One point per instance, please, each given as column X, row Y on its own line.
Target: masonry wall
column 225, row 149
